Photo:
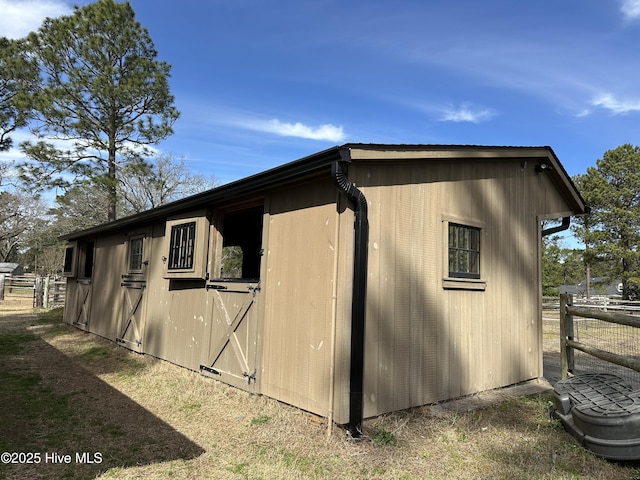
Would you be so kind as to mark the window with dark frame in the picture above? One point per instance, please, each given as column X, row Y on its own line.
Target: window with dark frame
column 135, row 254
column 464, row 251
column 69, row 255
column 182, row 246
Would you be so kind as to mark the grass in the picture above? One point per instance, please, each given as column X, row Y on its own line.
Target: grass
column 383, row 437
column 41, row 410
column 51, row 317
column 12, row 343
column 261, row 420
column 66, row 391
column 34, row 418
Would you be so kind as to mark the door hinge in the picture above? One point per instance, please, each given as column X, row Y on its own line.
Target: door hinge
column 250, row 377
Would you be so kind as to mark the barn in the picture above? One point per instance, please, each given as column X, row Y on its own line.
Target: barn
column 359, row 280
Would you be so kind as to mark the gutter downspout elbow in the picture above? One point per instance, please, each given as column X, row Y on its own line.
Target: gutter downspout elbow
column 566, row 222
column 359, row 297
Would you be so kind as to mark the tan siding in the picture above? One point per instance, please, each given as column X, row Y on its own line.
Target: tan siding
column 109, row 264
column 157, row 335
column 301, row 257
column 343, row 311
column 176, row 326
column 425, row 343
column 176, row 310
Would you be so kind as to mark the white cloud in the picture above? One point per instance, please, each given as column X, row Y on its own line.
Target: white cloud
column 631, row 9
column 323, row 132
column 466, row 113
column 617, row 107
column 326, row 132
column 19, row 17
column 204, row 117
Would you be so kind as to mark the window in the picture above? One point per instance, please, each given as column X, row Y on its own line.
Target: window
column 135, row 254
column 464, row 251
column 69, row 267
column 181, row 248
column 78, row 259
column 187, row 244
column 240, row 244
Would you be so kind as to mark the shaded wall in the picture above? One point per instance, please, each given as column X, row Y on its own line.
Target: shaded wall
column 425, row 341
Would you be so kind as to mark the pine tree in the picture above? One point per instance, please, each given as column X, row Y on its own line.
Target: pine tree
column 611, row 231
column 103, row 93
column 18, row 81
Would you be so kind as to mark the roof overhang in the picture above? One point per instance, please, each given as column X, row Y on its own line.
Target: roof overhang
column 320, row 162
column 541, row 155
column 287, row 173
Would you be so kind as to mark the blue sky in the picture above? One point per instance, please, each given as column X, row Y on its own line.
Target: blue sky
column 263, row 82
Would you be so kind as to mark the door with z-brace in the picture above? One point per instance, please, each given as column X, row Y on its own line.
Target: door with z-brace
column 231, row 356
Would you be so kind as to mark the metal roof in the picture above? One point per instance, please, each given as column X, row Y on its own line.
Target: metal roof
column 8, row 267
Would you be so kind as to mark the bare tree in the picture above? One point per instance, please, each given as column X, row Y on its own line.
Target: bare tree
column 19, row 213
column 82, row 206
column 149, row 185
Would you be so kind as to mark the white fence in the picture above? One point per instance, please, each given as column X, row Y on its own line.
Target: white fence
column 47, row 292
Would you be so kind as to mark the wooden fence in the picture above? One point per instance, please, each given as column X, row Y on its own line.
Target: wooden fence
column 47, row 292
column 627, row 356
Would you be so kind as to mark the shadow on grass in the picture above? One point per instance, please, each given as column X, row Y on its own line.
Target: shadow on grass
column 78, row 424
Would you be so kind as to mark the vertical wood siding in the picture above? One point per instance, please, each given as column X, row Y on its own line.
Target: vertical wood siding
column 301, row 258
column 107, row 300
column 426, row 343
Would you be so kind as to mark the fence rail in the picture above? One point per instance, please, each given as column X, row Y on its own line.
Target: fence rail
column 47, row 292
column 568, row 342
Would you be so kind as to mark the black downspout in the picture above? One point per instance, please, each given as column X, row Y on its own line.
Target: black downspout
column 566, row 221
column 359, row 298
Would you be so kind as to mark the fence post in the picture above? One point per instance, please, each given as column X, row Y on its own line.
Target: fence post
column 1, row 286
column 47, row 287
column 38, row 292
column 566, row 332
column 56, row 294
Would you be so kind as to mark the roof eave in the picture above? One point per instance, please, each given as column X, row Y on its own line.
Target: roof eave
column 318, row 161
column 259, row 181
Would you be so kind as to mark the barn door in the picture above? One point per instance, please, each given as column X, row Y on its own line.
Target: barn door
column 132, row 325
column 82, row 303
column 231, row 356
column 134, row 285
column 83, row 289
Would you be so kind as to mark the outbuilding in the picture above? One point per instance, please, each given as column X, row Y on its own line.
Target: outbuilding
column 10, row 269
column 360, row 280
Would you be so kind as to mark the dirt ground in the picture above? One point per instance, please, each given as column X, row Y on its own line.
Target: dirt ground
column 145, row 418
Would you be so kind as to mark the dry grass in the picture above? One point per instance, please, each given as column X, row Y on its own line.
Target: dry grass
column 151, row 419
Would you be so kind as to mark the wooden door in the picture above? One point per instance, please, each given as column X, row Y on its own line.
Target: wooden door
column 132, row 325
column 82, row 303
column 233, row 335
